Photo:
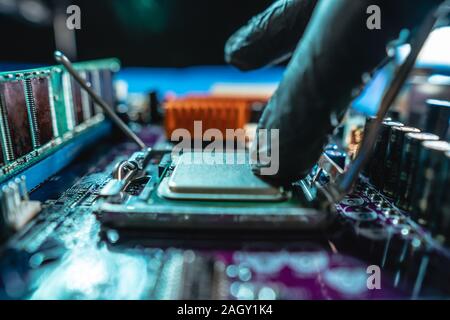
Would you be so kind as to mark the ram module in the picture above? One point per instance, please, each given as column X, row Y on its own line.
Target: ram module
column 43, row 109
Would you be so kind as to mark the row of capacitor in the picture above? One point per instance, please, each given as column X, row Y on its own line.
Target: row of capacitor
column 413, row 169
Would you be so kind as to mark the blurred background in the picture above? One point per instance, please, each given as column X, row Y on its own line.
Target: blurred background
column 158, row 33
column 162, row 36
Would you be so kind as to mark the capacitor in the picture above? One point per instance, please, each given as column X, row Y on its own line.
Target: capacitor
column 408, row 166
column 367, row 127
column 393, row 158
column 377, row 169
column 430, row 182
column 438, row 117
column 443, row 216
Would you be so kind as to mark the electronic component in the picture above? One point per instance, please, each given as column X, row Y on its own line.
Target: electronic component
column 107, row 109
column 41, row 110
column 379, row 154
column 95, row 81
column 438, row 118
column 85, row 99
column 393, row 157
column 205, row 197
column 408, row 167
column 442, row 221
column 77, row 102
column 430, row 182
column 213, row 112
column 14, row 107
column 107, row 90
column 60, row 103
column 368, row 125
column 217, row 177
column 40, row 98
column 124, row 172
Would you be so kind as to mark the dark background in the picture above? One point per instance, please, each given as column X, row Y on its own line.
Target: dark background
column 169, row 33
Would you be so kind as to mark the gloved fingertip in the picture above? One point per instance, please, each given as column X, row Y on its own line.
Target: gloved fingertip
column 234, row 55
column 281, row 179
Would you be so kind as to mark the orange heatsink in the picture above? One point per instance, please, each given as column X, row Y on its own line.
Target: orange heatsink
column 214, row 113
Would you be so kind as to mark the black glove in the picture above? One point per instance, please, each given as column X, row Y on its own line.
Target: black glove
column 335, row 50
column 271, row 36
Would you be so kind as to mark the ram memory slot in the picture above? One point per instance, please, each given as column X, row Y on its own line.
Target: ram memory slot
column 43, row 110
column 106, row 78
column 92, row 106
column 5, row 135
column 77, row 101
column 40, row 96
column 58, row 102
column 32, row 113
column 15, row 110
column 69, row 101
column 97, row 87
column 86, row 99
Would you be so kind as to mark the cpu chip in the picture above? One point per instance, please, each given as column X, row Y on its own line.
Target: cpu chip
column 221, row 176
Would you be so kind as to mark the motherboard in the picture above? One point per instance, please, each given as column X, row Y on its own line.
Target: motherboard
column 117, row 222
column 67, row 253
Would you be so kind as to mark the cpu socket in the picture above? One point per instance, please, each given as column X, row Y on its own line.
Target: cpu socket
column 209, row 191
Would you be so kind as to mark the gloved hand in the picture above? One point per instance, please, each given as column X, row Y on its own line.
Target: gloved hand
column 336, row 48
column 271, row 36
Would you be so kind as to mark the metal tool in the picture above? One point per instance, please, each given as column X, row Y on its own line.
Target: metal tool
column 62, row 59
